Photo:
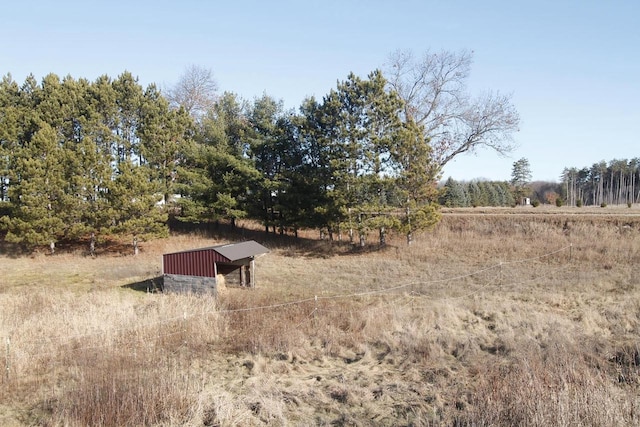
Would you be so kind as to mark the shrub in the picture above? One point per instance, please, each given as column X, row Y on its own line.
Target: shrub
column 603, row 205
column 559, row 202
column 535, row 203
column 579, row 203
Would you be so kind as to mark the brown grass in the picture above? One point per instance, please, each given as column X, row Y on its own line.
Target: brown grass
column 490, row 319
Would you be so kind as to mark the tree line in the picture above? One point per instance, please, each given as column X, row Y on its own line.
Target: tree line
column 80, row 157
column 110, row 157
column 613, row 182
column 460, row 194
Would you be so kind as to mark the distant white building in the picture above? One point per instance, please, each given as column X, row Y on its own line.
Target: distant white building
column 173, row 198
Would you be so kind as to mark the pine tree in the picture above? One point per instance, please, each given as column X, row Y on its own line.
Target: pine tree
column 215, row 175
column 311, row 179
column 361, row 122
column 162, row 133
column 453, row 194
column 134, row 198
column 361, row 164
column 417, row 173
column 38, row 206
column 137, row 186
column 9, row 131
column 126, row 118
column 265, row 152
column 520, row 177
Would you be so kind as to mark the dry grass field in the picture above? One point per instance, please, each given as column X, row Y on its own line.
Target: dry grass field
column 497, row 317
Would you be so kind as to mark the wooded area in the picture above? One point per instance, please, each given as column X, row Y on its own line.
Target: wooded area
column 612, row 183
column 603, row 183
column 111, row 157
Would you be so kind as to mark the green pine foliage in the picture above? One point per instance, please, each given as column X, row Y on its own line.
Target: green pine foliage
column 80, row 158
column 215, row 175
column 38, row 214
column 113, row 158
column 520, row 179
column 134, row 197
column 455, row 194
column 163, row 133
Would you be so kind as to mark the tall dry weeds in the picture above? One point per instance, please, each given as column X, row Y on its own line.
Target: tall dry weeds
column 486, row 320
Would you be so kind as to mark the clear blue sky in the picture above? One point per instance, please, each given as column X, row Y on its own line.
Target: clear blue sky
column 573, row 67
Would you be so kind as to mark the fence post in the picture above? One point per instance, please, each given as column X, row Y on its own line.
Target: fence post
column 570, row 251
column 315, row 312
column 6, row 357
column 184, row 327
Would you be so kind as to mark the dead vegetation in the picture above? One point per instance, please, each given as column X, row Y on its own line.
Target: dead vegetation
column 488, row 320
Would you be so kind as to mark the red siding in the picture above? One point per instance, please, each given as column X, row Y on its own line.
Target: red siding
column 192, row 263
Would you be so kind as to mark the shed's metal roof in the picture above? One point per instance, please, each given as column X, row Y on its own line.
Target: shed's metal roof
column 236, row 251
column 233, row 251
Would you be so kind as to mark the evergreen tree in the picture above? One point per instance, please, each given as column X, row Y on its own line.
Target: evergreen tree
column 231, row 113
column 38, row 205
column 79, row 158
column 520, row 177
column 266, row 146
column 454, row 194
column 416, row 174
column 72, row 159
column 368, row 164
column 291, row 202
column 162, row 136
column 215, row 175
column 89, row 179
column 311, row 180
column 126, row 119
column 475, row 194
column 361, row 121
column 505, row 194
column 134, row 197
column 86, row 170
column 10, row 128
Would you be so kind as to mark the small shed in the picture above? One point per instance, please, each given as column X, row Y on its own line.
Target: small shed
column 196, row 270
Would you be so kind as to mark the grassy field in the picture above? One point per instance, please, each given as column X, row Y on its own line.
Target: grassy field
column 496, row 317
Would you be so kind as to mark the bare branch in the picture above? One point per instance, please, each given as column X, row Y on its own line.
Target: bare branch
column 435, row 95
column 195, row 91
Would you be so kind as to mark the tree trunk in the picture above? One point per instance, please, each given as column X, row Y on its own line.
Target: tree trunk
column 92, row 245
column 410, row 232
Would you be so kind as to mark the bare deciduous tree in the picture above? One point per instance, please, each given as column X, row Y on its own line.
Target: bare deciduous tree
column 436, row 98
column 195, row 91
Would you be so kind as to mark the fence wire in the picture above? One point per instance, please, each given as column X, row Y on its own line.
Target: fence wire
column 49, row 348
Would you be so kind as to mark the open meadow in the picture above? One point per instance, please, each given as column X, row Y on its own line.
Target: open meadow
column 497, row 317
